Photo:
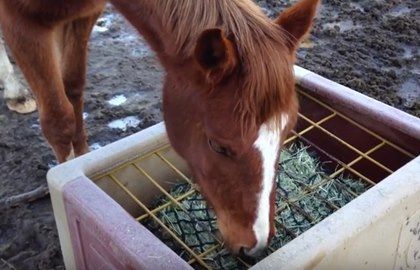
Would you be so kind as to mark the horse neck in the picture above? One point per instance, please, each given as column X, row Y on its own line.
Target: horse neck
column 146, row 18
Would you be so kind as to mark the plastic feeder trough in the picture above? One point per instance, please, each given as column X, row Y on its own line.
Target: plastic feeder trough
column 101, row 198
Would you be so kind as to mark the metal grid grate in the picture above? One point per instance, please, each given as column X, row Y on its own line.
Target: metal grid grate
column 363, row 159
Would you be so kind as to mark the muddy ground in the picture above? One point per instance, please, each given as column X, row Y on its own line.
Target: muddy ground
column 370, row 46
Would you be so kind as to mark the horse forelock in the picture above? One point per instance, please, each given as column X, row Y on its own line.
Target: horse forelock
column 266, row 64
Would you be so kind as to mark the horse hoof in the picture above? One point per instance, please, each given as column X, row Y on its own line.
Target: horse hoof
column 22, row 106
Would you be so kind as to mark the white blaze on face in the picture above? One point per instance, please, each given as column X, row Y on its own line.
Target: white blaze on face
column 71, row 155
column 268, row 144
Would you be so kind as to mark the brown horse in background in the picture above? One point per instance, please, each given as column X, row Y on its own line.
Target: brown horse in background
column 229, row 98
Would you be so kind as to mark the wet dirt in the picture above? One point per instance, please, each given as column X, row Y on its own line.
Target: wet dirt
column 370, row 46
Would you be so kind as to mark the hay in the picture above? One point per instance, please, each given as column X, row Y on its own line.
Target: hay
column 305, row 196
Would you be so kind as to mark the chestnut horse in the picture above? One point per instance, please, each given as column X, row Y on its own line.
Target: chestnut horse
column 228, row 97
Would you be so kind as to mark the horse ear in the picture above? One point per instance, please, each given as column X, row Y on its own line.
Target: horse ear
column 297, row 21
column 215, row 54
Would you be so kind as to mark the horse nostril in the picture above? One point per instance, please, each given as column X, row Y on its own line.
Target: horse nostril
column 253, row 252
column 244, row 255
column 242, row 251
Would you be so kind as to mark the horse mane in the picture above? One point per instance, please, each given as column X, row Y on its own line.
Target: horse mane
column 265, row 60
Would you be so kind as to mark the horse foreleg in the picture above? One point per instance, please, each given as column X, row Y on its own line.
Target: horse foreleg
column 74, row 56
column 36, row 52
column 17, row 97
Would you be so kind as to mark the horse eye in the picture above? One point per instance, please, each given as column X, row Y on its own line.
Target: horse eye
column 219, row 149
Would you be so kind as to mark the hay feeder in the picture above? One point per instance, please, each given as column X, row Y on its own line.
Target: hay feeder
column 107, row 203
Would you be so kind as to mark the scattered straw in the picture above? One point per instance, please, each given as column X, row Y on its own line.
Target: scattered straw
column 305, row 196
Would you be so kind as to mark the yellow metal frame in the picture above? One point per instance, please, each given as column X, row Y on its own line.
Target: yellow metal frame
column 290, row 202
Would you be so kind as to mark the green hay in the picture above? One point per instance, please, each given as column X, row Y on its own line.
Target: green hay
column 305, row 196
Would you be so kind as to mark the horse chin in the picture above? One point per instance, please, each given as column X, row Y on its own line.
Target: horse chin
column 22, row 105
